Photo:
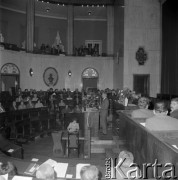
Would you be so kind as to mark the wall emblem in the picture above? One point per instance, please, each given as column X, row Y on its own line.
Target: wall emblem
column 50, row 76
column 141, row 56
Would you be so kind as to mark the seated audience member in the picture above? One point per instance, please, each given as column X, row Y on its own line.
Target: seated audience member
column 13, row 106
column 29, row 104
column 89, row 173
column 19, row 99
column 35, row 98
column 45, row 171
column 143, row 111
column 61, row 103
column 21, row 106
column 77, row 109
column 160, row 121
column 1, row 108
column 73, row 126
column 38, row 104
column 174, row 108
column 8, row 168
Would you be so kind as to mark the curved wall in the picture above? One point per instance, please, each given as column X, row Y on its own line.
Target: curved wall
column 62, row 64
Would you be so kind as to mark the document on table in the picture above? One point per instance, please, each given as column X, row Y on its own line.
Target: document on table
column 78, row 169
column 61, row 169
column 22, row 178
column 143, row 124
column 5, row 176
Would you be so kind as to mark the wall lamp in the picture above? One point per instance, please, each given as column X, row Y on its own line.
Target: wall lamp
column 69, row 73
column 31, row 72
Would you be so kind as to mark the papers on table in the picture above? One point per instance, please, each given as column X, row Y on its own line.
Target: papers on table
column 22, row 178
column 143, row 124
column 78, row 169
column 175, row 146
column 5, row 176
column 61, row 169
column 34, row 159
column 31, row 169
column 10, row 150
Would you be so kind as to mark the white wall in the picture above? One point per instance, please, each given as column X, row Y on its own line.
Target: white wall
column 38, row 62
column 142, row 27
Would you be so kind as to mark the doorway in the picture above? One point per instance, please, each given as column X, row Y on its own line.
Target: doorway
column 141, row 84
column 90, row 79
column 10, row 77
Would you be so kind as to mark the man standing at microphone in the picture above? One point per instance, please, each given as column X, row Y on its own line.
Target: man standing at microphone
column 104, row 113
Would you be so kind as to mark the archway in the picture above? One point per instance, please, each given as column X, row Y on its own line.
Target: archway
column 10, row 77
column 90, row 79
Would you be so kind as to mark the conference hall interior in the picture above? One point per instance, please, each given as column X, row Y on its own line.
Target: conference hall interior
column 88, row 89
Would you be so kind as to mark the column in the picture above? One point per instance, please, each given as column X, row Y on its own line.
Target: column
column 70, row 29
column 110, row 30
column 30, row 25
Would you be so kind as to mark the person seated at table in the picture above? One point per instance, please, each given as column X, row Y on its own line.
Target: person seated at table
column 77, row 109
column 7, row 168
column 89, row 173
column 1, row 108
column 73, row 126
column 46, row 172
column 143, row 111
column 160, row 121
column 174, row 108
column 21, row 106
column 29, row 104
column 38, row 104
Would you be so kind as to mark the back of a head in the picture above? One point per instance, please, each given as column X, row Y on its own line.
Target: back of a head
column 175, row 100
column 89, row 173
column 160, row 107
column 143, row 102
column 46, row 172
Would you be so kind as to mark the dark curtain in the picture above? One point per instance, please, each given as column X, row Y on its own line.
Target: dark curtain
column 169, row 69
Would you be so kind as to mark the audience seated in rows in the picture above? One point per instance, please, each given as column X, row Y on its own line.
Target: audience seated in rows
column 160, row 121
column 174, row 108
column 143, row 111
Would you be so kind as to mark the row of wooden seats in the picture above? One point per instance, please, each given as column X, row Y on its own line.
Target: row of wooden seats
column 26, row 123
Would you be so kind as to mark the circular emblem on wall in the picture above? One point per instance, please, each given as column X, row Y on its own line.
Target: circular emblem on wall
column 50, row 76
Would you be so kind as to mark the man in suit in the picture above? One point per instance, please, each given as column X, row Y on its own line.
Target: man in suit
column 104, row 113
column 160, row 121
column 174, row 108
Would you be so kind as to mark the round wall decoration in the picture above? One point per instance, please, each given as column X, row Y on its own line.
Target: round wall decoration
column 50, row 76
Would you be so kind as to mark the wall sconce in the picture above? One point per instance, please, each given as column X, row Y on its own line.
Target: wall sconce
column 69, row 73
column 31, row 72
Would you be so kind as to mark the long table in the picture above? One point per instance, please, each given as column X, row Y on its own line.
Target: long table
column 147, row 146
column 22, row 165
